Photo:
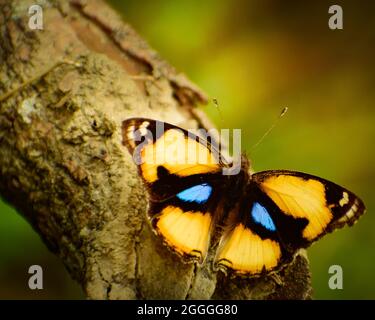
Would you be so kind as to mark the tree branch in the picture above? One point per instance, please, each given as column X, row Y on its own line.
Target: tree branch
column 64, row 92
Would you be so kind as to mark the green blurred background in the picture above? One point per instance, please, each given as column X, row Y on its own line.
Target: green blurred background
column 256, row 57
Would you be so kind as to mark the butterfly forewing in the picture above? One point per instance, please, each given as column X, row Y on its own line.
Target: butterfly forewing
column 307, row 207
column 166, row 155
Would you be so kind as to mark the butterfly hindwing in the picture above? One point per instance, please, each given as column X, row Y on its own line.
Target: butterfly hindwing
column 250, row 245
column 185, row 221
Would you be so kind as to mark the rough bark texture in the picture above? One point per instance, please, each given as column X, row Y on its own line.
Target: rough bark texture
column 64, row 92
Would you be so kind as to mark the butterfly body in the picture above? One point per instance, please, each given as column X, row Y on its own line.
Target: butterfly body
column 255, row 222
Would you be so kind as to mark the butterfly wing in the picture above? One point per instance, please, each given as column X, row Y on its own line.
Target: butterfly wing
column 182, row 173
column 170, row 158
column 308, row 206
column 250, row 244
column 185, row 221
column 282, row 212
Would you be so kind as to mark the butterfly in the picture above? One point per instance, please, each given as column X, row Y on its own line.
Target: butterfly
column 255, row 222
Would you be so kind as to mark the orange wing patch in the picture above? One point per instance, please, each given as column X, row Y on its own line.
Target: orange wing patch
column 187, row 233
column 246, row 253
column 300, row 198
column 178, row 154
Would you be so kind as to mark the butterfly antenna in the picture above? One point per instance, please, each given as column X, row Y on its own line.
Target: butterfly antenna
column 282, row 113
column 216, row 103
column 223, row 145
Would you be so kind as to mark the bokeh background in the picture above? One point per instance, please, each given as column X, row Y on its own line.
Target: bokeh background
column 256, row 57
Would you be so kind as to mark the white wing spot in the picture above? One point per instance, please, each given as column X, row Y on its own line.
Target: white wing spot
column 350, row 213
column 143, row 128
column 344, row 200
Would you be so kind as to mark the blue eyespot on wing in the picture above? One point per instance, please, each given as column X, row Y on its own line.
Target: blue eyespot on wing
column 261, row 216
column 198, row 194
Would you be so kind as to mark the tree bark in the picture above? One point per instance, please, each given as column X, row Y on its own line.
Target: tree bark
column 64, row 92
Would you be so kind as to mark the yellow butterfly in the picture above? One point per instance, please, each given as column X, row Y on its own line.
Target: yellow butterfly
column 257, row 222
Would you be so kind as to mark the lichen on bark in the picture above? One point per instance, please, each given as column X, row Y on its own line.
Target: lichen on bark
column 64, row 92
